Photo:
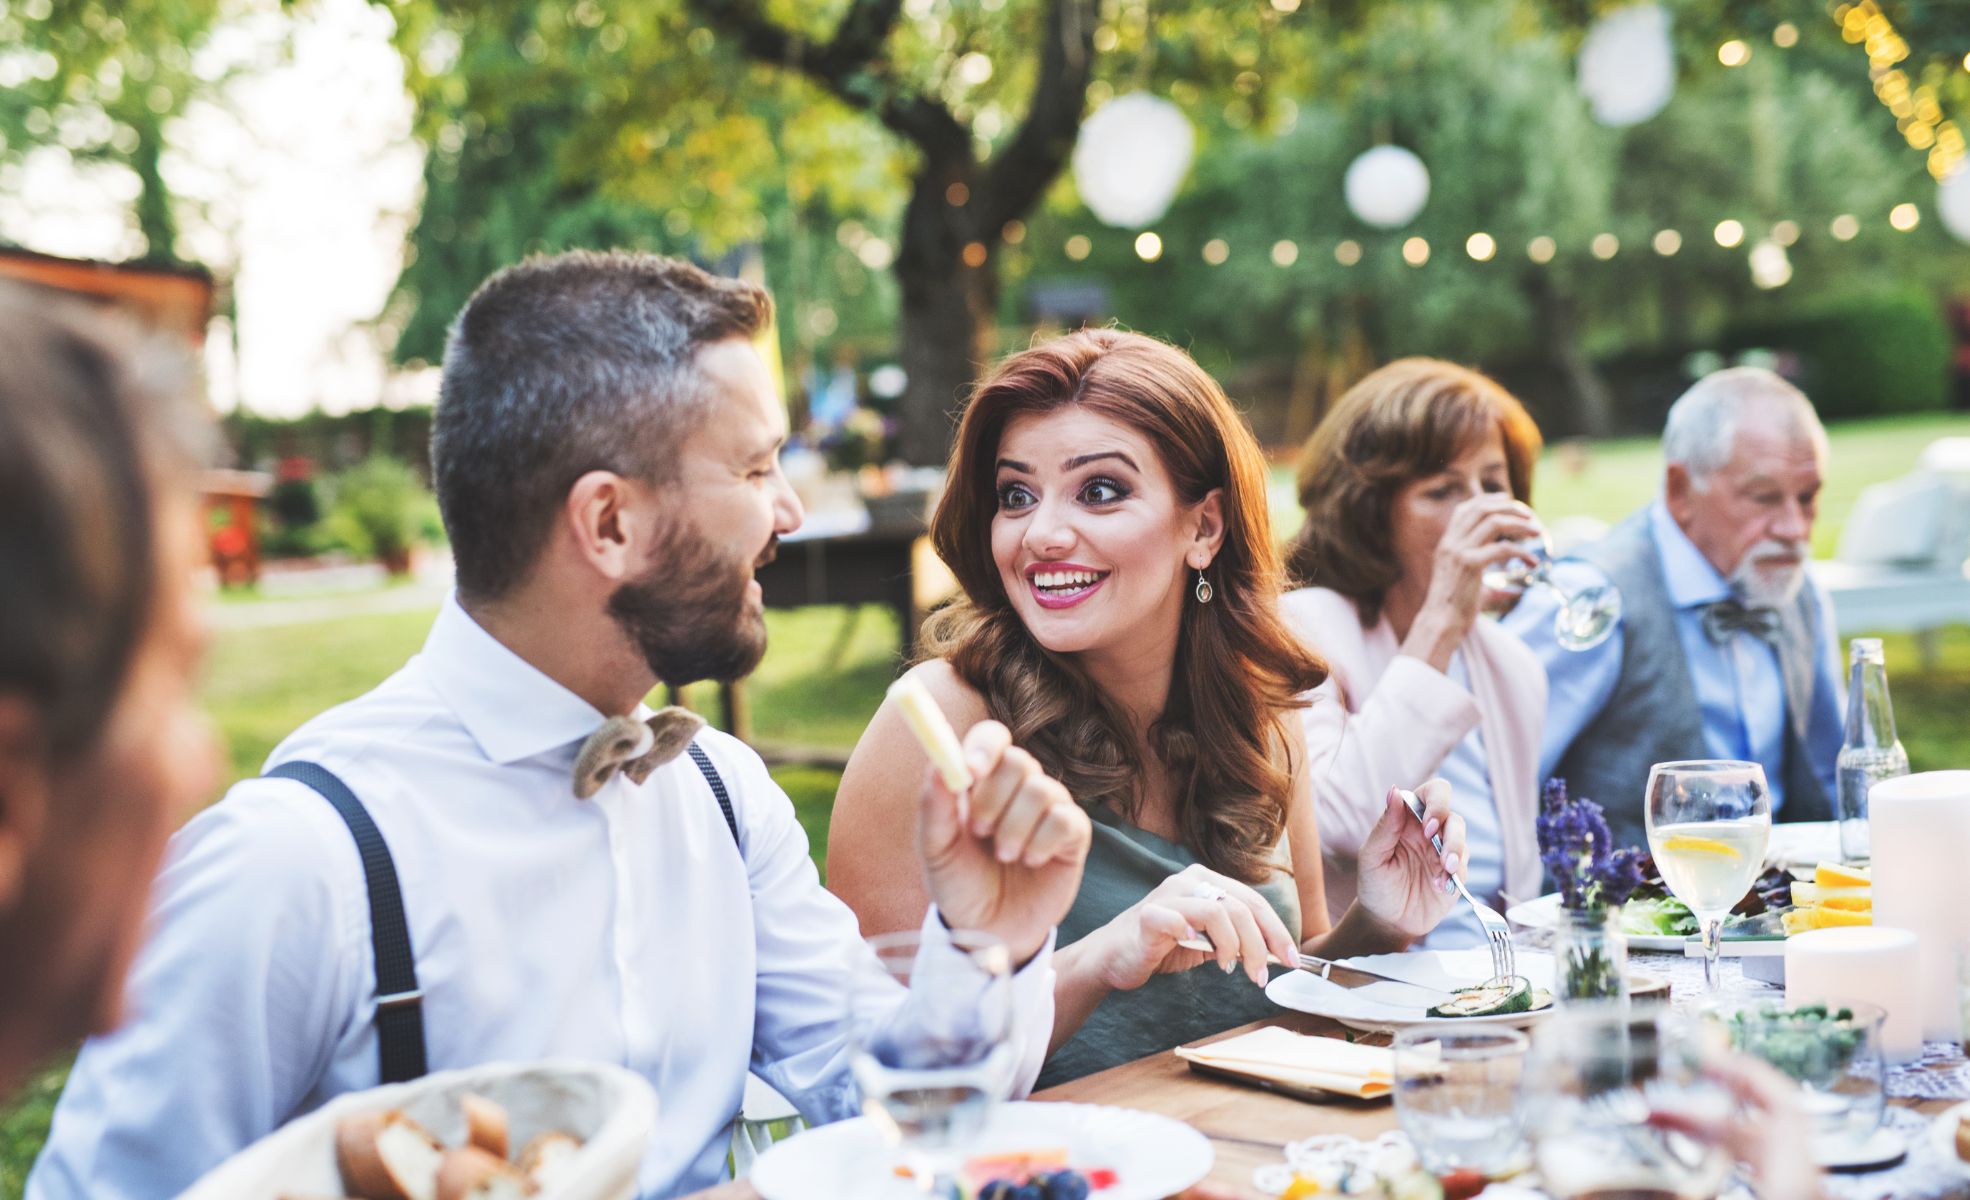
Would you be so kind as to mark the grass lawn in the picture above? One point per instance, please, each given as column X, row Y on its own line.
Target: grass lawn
column 826, row 669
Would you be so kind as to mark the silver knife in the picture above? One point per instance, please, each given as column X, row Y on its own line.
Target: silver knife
column 1338, row 974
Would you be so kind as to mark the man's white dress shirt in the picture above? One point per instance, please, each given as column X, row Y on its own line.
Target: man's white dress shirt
column 625, row 928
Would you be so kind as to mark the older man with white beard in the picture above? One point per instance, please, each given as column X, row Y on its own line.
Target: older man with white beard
column 1725, row 647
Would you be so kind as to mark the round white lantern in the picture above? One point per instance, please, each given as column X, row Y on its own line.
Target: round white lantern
column 1627, row 65
column 1953, row 202
column 1387, row 186
column 1131, row 158
column 1771, row 267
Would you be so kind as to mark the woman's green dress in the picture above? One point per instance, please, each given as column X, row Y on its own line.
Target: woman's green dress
column 1125, row 864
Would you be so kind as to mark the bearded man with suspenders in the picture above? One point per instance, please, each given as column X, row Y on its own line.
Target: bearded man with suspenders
column 500, row 853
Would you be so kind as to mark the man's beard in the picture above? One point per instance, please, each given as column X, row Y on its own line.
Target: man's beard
column 1771, row 586
column 689, row 613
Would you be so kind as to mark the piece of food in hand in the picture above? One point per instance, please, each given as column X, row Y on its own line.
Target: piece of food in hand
column 1508, row 994
column 387, row 1156
column 469, row 1173
column 546, row 1160
column 486, row 1126
column 934, row 733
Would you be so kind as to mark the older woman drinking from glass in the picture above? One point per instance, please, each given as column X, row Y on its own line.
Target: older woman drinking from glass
column 1414, row 486
column 1106, row 517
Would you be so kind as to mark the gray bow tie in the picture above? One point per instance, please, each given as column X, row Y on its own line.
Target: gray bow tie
column 633, row 747
column 1732, row 616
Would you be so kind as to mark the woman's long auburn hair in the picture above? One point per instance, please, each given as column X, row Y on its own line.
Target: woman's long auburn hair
column 1224, row 733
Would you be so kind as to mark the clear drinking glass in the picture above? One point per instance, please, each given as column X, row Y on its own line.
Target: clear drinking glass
column 1708, row 824
column 1832, row 1050
column 930, row 1069
column 1593, row 1080
column 1585, row 618
column 1459, row 1095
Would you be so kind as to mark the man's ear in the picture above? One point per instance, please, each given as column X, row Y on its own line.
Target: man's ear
column 23, row 793
column 1208, row 535
column 605, row 527
column 1679, row 493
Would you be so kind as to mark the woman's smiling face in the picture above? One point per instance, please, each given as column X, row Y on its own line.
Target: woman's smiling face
column 1093, row 545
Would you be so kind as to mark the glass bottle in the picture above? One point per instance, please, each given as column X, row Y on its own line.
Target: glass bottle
column 1871, row 752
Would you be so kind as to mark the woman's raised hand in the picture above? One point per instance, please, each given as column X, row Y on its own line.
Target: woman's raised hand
column 1142, row 940
column 1484, row 531
column 1405, row 883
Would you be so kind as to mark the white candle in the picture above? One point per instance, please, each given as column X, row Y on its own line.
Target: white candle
column 1868, row 964
column 1920, row 829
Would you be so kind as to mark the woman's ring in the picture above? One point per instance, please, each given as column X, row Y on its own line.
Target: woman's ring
column 1208, row 891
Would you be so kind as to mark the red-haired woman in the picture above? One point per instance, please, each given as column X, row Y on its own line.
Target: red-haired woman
column 1105, row 515
column 1415, row 483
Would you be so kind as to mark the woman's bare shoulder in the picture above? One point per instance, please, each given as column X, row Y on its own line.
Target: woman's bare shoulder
column 962, row 703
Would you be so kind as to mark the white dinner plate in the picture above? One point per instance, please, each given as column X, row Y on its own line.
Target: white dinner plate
column 1942, row 1136
column 1368, row 1009
column 1544, row 913
column 1152, row 1156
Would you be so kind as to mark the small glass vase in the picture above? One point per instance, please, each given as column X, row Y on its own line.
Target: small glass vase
column 1590, row 957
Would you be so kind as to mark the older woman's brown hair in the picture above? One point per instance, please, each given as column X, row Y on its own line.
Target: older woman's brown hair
column 1400, row 423
column 1238, row 669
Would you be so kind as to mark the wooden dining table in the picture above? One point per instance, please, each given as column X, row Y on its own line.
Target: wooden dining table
column 1248, row 1127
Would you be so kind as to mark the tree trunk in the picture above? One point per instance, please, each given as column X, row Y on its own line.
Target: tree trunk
column 1558, row 316
column 949, row 313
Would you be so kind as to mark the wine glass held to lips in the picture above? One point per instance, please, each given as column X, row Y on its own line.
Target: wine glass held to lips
column 1708, row 825
column 1587, row 613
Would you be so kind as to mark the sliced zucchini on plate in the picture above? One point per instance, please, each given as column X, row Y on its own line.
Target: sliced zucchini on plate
column 1494, row 998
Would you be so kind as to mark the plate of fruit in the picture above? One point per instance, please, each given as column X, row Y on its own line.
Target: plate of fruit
column 1026, row 1151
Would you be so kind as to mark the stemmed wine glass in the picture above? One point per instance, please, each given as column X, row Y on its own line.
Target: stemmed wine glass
column 1708, row 824
column 1595, row 1077
column 931, row 1067
column 1585, row 618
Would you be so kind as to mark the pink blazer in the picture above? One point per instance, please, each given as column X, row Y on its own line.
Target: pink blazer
column 1383, row 720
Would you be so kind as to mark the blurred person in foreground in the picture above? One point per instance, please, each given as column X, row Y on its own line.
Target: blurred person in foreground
column 1725, row 647
column 102, row 748
column 1106, row 517
column 606, row 456
column 1416, row 484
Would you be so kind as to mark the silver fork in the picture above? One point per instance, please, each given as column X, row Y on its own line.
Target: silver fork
column 1496, row 929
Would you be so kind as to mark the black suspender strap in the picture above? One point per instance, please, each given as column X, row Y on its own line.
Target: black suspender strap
column 710, row 773
column 399, row 1002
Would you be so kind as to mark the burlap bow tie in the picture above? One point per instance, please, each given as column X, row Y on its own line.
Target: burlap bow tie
column 1726, row 618
column 633, row 747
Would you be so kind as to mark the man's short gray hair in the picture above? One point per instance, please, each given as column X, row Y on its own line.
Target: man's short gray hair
column 1703, row 423
column 562, row 365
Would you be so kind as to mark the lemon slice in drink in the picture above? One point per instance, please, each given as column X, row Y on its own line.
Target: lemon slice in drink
column 1692, row 844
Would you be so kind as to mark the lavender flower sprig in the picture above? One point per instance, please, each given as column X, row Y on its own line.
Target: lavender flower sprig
column 1578, row 852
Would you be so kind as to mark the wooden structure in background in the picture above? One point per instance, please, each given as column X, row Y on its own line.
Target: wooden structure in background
column 175, row 301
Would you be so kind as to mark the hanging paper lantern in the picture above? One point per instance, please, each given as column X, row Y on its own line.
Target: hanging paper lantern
column 1953, row 202
column 1131, row 158
column 1387, row 186
column 1627, row 65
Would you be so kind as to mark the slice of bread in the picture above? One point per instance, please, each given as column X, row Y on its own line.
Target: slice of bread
column 387, row 1156
column 469, row 1173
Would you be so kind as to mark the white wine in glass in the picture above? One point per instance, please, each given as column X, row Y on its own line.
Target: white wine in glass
column 1709, row 821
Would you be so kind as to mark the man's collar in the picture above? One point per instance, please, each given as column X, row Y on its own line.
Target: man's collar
column 1691, row 578
column 510, row 707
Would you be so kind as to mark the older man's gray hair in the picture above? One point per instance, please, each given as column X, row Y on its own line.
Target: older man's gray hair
column 1703, row 423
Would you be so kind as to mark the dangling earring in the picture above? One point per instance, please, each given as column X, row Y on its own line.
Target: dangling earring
column 1204, row 592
